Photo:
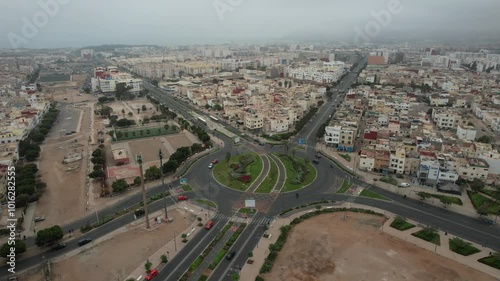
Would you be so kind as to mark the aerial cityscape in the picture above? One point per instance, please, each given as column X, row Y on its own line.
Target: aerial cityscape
column 250, row 140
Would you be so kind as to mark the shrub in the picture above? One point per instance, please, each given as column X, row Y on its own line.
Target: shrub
column 245, row 178
column 164, row 259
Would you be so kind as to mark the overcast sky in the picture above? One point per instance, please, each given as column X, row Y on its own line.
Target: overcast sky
column 81, row 23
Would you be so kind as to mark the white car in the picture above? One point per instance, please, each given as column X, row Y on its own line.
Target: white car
column 404, row 184
column 211, row 166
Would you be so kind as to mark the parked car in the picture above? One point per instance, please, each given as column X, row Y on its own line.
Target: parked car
column 211, row 166
column 215, row 161
column 404, row 184
column 152, row 274
column 230, row 255
column 58, row 247
column 182, row 198
column 84, row 242
column 209, row 225
column 317, row 156
column 39, row 219
column 315, row 161
column 139, row 212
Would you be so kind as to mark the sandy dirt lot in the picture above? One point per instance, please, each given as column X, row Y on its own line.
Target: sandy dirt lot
column 328, row 248
column 116, row 258
column 178, row 141
column 64, row 197
column 149, row 148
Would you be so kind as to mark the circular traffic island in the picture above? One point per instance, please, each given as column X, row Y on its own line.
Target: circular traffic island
column 238, row 171
column 299, row 172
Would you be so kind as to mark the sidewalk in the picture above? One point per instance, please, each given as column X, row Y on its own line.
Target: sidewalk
column 173, row 246
column 250, row 271
column 466, row 209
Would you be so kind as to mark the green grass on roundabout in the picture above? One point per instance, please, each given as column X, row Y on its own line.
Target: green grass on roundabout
column 222, row 169
column 270, row 181
column 291, row 173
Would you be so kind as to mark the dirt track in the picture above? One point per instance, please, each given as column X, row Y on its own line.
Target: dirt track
column 327, row 248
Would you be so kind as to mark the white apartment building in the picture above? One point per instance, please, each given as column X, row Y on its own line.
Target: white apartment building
column 466, row 132
column 332, row 135
column 279, row 125
column 254, row 121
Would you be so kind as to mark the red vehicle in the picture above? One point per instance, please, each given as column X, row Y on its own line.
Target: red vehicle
column 151, row 274
column 182, row 198
column 209, row 224
column 215, row 161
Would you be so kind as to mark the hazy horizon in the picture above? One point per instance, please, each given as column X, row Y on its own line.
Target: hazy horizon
column 174, row 22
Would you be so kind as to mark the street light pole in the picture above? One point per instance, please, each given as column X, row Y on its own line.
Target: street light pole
column 144, row 200
column 160, row 154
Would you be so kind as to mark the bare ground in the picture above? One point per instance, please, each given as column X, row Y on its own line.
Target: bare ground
column 326, row 248
column 116, row 258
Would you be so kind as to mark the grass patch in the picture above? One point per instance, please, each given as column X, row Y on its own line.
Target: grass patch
column 270, row 181
column 291, row 174
column 401, row 224
column 187, row 188
column 218, row 257
column 142, row 132
column 429, row 235
column 489, row 192
column 452, row 199
column 493, row 261
column 247, row 210
column 345, row 186
column 479, row 200
column 206, row 202
column 221, row 171
column 389, row 180
column 205, row 253
column 371, row 194
column 346, row 157
column 462, row 247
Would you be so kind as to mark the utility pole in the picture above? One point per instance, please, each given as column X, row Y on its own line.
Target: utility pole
column 160, row 155
column 144, row 200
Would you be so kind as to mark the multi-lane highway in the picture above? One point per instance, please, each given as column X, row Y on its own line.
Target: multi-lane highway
column 329, row 178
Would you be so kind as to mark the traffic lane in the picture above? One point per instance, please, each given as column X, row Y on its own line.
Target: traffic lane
column 245, row 244
column 181, row 262
column 456, row 224
column 23, row 264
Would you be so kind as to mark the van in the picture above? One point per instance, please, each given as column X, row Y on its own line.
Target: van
column 84, row 242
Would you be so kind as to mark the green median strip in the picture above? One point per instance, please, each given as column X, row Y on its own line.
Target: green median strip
column 187, row 188
column 371, row 194
column 269, row 182
column 345, row 186
column 205, row 253
column 206, row 202
column 222, row 253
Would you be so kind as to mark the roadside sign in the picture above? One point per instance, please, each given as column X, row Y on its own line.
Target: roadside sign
column 302, row 141
column 250, row 203
column 183, row 181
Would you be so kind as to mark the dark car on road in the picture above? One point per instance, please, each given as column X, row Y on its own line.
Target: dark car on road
column 315, row 161
column 84, row 242
column 487, row 221
column 230, row 255
column 58, row 247
column 139, row 212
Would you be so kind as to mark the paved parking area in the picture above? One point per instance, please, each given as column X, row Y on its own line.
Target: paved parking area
column 67, row 121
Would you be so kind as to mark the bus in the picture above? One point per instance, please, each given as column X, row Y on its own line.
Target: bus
column 213, row 118
column 202, row 120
